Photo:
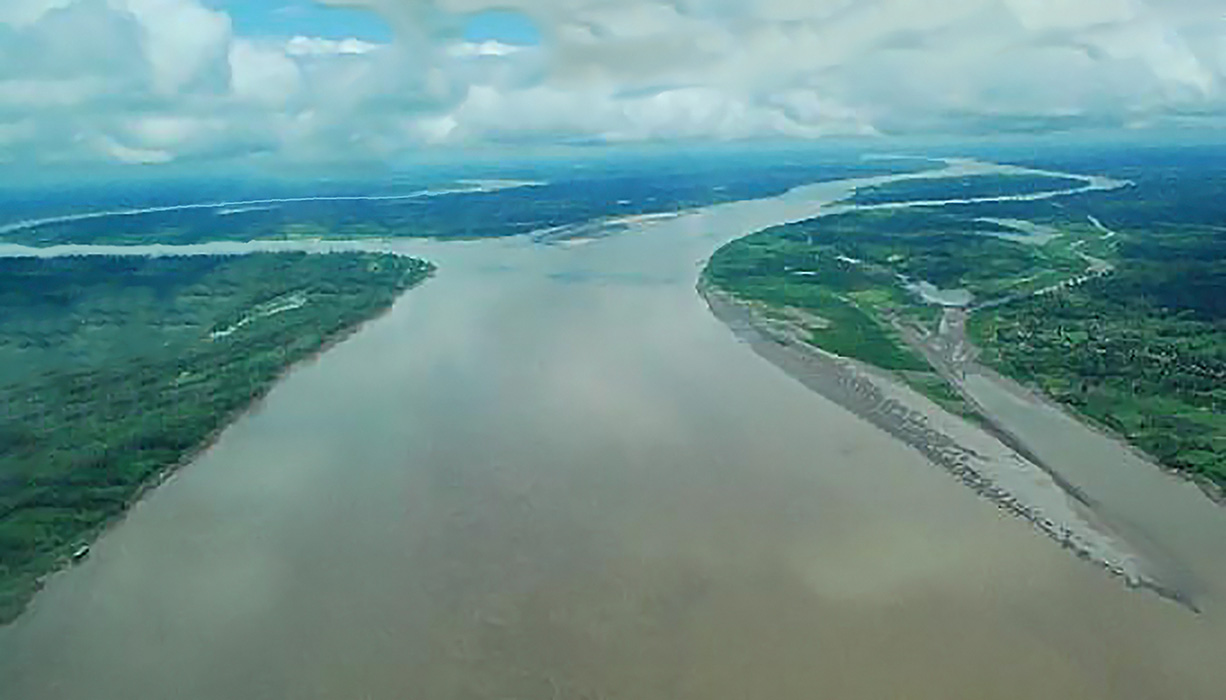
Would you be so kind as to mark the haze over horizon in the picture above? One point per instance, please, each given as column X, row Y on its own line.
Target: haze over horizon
column 192, row 81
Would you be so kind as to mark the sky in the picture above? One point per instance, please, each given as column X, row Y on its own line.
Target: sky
column 145, row 82
column 288, row 18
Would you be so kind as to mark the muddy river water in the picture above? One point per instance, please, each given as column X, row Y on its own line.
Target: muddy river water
column 551, row 472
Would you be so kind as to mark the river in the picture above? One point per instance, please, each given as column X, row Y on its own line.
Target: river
column 551, row 472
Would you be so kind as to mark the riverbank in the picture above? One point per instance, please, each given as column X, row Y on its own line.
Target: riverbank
column 129, row 397
column 970, row 453
column 1113, row 357
column 969, row 363
column 1212, row 490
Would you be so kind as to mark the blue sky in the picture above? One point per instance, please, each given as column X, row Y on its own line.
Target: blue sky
column 504, row 26
column 301, row 17
column 286, row 18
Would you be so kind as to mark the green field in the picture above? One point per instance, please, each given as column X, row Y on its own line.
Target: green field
column 114, row 369
column 764, row 267
column 854, row 270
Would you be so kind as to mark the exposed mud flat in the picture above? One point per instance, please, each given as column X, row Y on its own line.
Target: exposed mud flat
column 972, row 454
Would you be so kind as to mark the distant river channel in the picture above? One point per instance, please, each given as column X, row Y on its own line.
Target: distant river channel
column 551, row 473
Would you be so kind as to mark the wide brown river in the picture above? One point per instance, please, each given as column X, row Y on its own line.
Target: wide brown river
column 551, row 473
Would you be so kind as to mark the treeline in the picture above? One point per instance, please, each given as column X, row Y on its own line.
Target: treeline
column 568, row 195
column 969, row 187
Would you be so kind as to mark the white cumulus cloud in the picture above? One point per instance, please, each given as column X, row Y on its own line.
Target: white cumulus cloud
column 148, row 81
column 318, row 46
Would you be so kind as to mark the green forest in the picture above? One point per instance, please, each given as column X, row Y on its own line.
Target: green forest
column 115, row 369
